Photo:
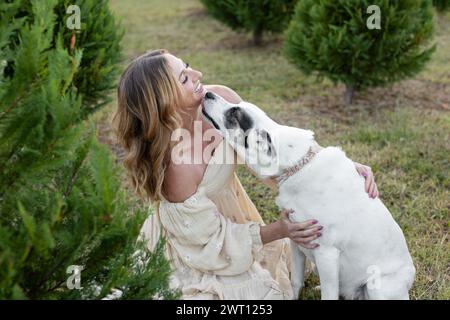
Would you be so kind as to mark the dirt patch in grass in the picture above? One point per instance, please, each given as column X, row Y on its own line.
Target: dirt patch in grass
column 423, row 94
column 196, row 13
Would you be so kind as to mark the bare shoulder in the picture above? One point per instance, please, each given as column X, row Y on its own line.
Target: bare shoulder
column 181, row 181
column 225, row 92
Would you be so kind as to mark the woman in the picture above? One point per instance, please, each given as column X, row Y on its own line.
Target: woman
column 217, row 242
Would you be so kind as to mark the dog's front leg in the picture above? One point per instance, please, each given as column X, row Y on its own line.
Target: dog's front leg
column 327, row 263
column 298, row 259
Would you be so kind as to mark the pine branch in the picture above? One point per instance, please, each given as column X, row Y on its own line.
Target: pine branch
column 72, row 181
column 25, row 94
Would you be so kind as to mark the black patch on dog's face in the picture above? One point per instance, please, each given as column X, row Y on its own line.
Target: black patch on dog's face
column 236, row 118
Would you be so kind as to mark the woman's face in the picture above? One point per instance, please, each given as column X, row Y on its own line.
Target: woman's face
column 192, row 89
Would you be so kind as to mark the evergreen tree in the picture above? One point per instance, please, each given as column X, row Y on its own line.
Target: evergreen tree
column 99, row 37
column 331, row 38
column 255, row 16
column 61, row 204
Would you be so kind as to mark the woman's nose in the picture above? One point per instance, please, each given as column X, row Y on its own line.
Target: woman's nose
column 198, row 75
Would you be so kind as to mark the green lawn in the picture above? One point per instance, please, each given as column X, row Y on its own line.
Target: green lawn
column 402, row 132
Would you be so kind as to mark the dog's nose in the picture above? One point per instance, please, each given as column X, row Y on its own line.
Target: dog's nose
column 209, row 95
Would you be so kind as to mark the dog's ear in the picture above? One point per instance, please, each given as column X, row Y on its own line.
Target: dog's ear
column 265, row 143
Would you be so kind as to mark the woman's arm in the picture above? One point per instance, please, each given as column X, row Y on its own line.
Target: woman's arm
column 301, row 233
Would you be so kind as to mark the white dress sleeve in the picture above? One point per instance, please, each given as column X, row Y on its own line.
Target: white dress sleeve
column 207, row 241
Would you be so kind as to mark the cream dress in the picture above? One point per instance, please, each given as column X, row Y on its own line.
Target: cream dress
column 213, row 240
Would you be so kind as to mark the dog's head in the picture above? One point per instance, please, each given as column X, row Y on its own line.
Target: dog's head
column 254, row 136
column 265, row 146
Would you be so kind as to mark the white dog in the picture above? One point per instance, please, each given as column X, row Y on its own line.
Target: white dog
column 363, row 253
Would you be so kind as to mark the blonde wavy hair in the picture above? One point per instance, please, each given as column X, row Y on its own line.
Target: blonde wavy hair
column 148, row 97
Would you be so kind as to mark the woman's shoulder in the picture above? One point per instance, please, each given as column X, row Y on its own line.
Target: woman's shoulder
column 225, row 92
column 181, row 181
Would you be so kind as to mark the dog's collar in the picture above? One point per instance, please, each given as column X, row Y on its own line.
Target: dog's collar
column 312, row 151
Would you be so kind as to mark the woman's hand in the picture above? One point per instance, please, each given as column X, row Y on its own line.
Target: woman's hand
column 370, row 186
column 301, row 233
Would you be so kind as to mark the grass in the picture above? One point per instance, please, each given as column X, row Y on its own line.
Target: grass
column 402, row 131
